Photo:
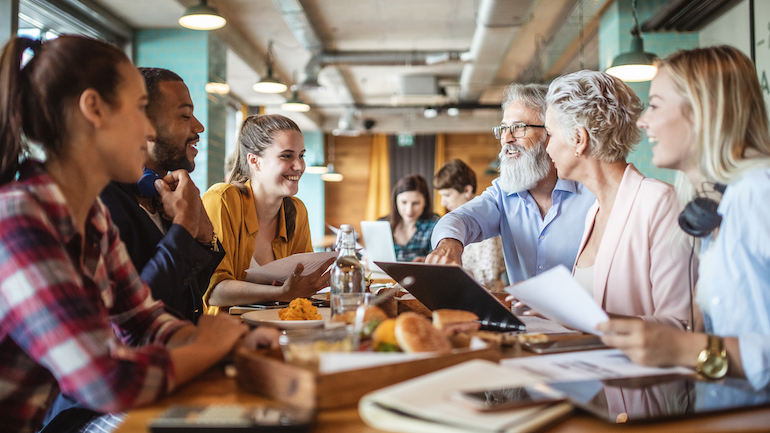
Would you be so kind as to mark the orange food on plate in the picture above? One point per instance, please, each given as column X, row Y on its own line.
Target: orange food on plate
column 299, row 309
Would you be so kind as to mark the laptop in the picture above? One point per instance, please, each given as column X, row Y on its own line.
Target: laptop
column 446, row 286
column 378, row 243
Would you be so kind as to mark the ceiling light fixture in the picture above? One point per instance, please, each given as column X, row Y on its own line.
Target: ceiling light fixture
column 295, row 104
column 453, row 111
column 217, row 88
column 268, row 83
column 331, row 175
column 316, row 169
column 634, row 65
column 430, row 113
column 202, row 17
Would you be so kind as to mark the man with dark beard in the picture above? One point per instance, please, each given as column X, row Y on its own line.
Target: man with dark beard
column 539, row 217
column 161, row 219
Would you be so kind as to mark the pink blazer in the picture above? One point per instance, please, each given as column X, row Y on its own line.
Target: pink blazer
column 641, row 266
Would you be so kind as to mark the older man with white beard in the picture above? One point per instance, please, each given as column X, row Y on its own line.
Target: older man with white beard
column 539, row 217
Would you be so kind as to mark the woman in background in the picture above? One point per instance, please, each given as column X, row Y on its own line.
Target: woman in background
column 258, row 218
column 68, row 287
column 707, row 116
column 411, row 218
column 629, row 259
column 456, row 184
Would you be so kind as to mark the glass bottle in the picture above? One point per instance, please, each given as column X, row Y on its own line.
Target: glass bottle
column 347, row 274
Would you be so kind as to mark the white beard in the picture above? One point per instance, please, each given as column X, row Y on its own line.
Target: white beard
column 525, row 171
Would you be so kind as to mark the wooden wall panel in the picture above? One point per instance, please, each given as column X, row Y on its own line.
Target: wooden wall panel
column 476, row 150
column 346, row 200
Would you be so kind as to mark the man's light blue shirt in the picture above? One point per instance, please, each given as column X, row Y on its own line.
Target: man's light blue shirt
column 734, row 274
column 531, row 244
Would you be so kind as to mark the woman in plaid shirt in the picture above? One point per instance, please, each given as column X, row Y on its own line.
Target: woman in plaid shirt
column 411, row 218
column 74, row 314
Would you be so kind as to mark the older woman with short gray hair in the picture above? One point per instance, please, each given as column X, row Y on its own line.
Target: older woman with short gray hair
column 627, row 259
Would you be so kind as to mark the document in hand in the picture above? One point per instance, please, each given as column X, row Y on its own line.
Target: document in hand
column 280, row 270
column 424, row 405
column 557, row 296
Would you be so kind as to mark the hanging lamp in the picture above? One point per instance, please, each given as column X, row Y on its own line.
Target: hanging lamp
column 634, row 65
column 331, row 175
column 202, row 17
column 295, row 104
column 268, row 83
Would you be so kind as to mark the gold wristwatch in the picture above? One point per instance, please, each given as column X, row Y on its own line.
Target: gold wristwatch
column 712, row 361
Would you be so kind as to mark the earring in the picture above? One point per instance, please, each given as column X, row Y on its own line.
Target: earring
column 577, row 154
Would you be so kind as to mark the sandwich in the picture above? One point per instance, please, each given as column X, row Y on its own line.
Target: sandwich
column 409, row 332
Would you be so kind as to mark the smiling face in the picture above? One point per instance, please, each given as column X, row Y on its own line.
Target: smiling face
column 560, row 148
column 410, row 206
column 177, row 129
column 277, row 172
column 669, row 125
column 123, row 138
column 523, row 161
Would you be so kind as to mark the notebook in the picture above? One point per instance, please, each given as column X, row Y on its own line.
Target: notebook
column 445, row 286
column 378, row 240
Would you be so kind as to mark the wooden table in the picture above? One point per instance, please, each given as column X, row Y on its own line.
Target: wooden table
column 215, row 388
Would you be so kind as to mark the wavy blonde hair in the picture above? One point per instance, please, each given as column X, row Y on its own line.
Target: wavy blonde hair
column 721, row 90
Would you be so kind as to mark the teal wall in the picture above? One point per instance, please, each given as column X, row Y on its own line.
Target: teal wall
column 311, row 187
column 198, row 57
column 615, row 37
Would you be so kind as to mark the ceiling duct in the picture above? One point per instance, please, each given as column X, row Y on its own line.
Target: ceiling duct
column 369, row 58
column 419, row 90
column 497, row 24
column 686, row 15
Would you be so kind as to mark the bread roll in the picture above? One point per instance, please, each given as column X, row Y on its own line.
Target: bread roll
column 415, row 333
column 444, row 317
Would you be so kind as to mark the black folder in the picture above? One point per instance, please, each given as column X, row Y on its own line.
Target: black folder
column 445, row 286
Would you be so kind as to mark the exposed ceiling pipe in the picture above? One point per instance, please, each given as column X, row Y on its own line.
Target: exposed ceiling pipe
column 331, row 58
column 498, row 23
column 296, row 18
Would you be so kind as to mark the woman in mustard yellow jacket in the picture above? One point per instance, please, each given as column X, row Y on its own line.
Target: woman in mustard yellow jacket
column 257, row 218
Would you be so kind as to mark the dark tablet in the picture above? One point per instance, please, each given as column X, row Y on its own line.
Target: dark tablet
column 645, row 399
column 444, row 286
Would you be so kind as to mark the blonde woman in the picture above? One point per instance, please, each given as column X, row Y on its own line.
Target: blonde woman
column 708, row 119
column 258, row 218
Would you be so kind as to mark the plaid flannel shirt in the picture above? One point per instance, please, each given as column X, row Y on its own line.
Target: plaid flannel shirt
column 64, row 297
column 419, row 244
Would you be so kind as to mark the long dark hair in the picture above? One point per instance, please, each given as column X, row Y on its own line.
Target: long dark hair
column 412, row 182
column 257, row 134
column 35, row 99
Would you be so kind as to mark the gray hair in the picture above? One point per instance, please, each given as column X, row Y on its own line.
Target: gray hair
column 530, row 95
column 601, row 104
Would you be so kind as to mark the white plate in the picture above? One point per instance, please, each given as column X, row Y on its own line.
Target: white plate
column 270, row 317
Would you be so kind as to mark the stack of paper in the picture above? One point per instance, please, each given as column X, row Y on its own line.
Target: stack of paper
column 423, row 404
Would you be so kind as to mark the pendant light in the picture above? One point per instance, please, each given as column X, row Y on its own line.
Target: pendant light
column 202, row 17
column 331, row 175
column 634, row 65
column 295, row 104
column 268, row 83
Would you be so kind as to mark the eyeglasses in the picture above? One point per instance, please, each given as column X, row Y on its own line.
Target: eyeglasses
column 518, row 130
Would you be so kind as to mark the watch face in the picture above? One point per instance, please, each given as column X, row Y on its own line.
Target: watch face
column 715, row 367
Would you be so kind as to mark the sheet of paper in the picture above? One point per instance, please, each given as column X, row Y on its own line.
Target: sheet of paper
column 557, row 296
column 428, row 406
column 279, row 270
column 586, row 365
column 332, row 362
column 539, row 325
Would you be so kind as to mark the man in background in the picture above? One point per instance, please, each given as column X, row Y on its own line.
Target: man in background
column 539, row 217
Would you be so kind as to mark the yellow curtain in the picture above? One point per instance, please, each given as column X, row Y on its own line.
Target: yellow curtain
column 378, row 199
column 439, row 162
